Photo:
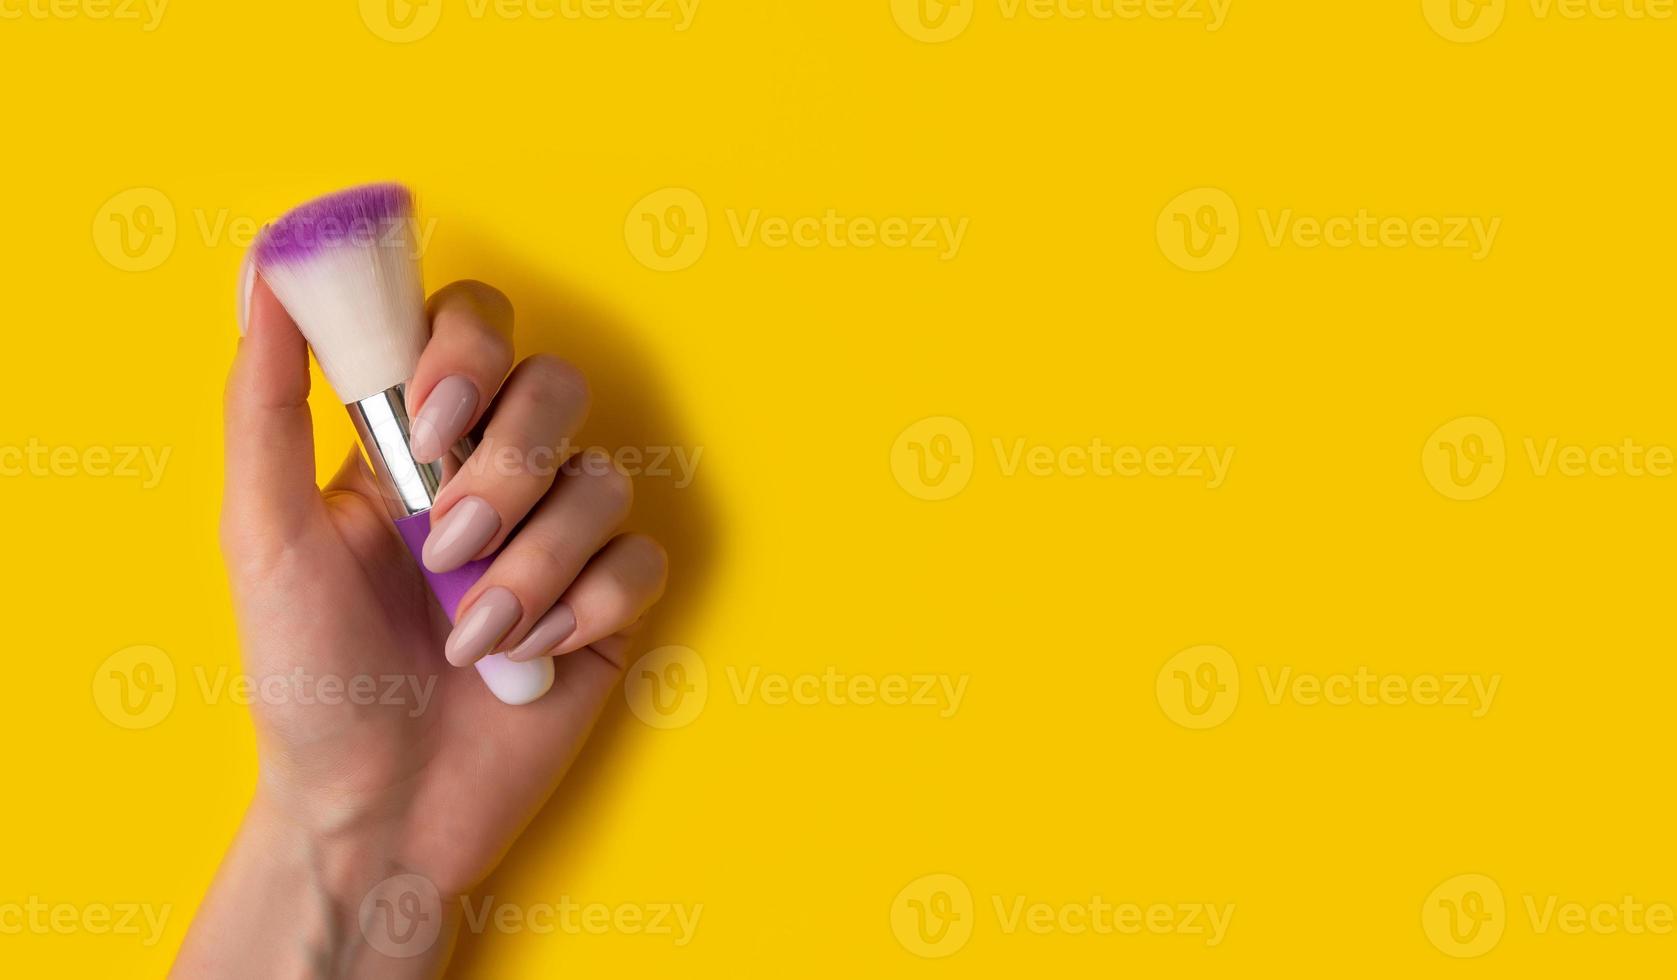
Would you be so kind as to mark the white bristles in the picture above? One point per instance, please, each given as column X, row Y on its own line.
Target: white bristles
column 357, row 295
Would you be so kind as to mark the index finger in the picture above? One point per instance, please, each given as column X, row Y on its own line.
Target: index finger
column 467, row 358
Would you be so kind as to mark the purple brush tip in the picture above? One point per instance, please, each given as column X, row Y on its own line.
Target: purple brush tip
column 358, row 217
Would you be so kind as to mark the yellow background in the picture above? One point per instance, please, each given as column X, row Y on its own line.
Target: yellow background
column 801, row 546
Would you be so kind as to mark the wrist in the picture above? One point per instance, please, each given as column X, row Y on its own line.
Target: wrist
column 298, row 899
column 364, row 901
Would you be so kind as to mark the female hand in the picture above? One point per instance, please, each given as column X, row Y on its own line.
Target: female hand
column 420, row 792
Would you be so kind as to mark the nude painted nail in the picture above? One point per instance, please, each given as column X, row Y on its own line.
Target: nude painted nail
column 491, row 616
column 551, row 630
column 442, row 419
column 460, row 535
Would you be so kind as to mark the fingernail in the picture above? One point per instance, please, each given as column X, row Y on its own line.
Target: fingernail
column 460, row 535
column 442, row 419
column 247, row 286
column 477, row 632
column 550, row 631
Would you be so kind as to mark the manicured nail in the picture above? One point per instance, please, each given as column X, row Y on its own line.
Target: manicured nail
column 460, row 535
column 551, row 630
column 477, row 632
column 442, row 419
column 247, row 286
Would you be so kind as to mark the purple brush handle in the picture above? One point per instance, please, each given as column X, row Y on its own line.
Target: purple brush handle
column 513, row 683
column 448, row 587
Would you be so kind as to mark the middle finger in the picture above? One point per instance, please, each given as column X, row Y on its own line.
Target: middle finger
column 542, row 404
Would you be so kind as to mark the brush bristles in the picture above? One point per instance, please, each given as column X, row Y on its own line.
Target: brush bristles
column 346, row 267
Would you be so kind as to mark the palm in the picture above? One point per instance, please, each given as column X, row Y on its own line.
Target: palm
column 434, row 753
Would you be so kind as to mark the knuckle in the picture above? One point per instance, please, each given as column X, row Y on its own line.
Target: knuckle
column 483, row 312
column 617, row 604
column 555, row 379
column 490, row 302
column 546, row 559
column 650, row 555
column 614, row 488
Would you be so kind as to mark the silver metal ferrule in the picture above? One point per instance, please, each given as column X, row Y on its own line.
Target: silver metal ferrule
column 409, row 486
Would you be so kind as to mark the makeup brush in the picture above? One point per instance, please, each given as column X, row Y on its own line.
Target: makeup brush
column 346, row 266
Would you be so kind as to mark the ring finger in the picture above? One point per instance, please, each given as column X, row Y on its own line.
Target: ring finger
column 585, row 509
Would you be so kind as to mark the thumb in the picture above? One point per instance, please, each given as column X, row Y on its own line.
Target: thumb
column 270, row 438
